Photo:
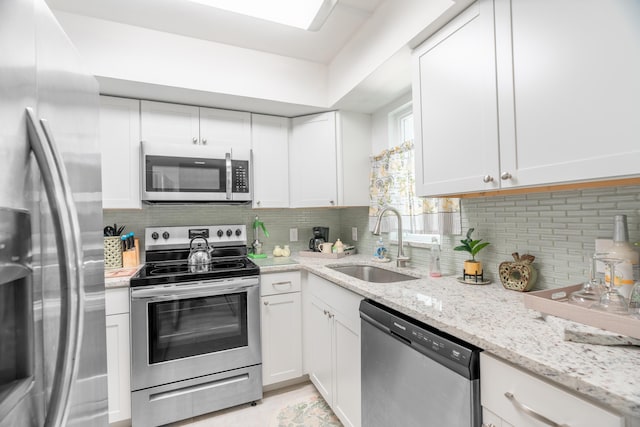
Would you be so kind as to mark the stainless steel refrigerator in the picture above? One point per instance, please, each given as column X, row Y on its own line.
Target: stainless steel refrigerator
column 52, row 323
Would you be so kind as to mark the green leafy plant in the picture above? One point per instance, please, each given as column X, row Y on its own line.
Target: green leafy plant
column 471, row 246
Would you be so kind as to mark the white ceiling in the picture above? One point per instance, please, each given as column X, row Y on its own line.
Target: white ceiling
column 196, row 20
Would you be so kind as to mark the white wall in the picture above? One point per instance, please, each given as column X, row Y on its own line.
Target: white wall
column 124, row 53
column 394, row 25
column 137, row 54
column 380, row 123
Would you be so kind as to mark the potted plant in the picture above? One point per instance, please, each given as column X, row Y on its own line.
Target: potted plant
column 471, row 266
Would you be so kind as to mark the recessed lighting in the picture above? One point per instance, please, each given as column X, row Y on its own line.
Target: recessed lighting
column 305, row 14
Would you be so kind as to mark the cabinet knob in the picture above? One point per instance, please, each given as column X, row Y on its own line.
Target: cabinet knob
column 505, row 176
column 266, row 303
column 487, row 178
column 195, row 140
column 204, row 141
column 331, row 202
column 258, row 203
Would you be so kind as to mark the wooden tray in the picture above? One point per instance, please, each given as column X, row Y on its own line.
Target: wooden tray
column 556, row 302
column 322, row 254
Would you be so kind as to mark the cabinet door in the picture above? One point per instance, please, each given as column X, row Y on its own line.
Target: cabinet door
column 225, row 128
column 354, row 166
column 346, row 400
column 572, row 88
column 120, row 142
column 281, row 337
column 270, row 144
column 313, row 161
column 455, row 111
column 118, row 367
column 169, row 123
column 320, row 351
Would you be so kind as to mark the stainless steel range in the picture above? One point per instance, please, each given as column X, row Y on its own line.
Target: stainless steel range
column 195, row 324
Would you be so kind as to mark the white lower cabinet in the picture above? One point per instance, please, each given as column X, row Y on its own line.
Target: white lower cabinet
column 281, row 317
column 512, row 397
column 118, row 354
column 332, row 346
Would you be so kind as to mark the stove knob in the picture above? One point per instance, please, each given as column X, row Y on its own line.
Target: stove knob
column 154, row 235
column 238, row 232
column 220, row 233
column 229, row 232
column 165, row 235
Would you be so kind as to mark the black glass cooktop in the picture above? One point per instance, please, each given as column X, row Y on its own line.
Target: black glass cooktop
column 177, row 271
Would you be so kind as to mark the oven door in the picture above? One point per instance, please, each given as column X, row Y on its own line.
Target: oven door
column 173, row 172
column 182, row 331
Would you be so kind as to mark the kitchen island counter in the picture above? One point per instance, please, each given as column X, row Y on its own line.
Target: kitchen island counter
column 496, row 320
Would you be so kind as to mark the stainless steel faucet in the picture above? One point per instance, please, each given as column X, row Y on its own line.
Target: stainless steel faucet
column 401, row 260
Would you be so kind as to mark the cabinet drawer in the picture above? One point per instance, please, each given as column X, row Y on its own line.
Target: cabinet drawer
column 116, row 301
column 279, row 283
column 562, row 407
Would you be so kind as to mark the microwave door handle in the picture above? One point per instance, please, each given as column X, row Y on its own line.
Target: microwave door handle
column 227, row 159
column 67, row 232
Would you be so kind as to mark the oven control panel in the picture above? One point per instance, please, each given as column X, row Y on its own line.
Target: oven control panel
column 180, row 237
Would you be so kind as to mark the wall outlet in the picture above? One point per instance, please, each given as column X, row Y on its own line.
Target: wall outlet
column 293, row 234
column 354, row 234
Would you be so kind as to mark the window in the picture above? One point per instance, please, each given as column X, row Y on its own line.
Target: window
column 424, row 220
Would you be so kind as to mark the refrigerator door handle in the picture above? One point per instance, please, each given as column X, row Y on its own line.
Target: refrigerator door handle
column 67, row 230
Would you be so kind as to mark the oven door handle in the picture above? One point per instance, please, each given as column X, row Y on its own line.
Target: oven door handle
column 189, row 291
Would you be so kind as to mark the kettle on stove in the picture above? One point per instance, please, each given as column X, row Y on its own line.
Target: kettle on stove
column 199, row 256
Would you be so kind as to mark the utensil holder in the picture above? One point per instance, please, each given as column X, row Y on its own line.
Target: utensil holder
column 112, row 252
column 131, row 258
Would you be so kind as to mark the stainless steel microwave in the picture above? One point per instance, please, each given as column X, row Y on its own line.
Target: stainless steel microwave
column 195, row 173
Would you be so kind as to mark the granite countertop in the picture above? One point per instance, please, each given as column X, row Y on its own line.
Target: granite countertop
column 495, row 319
column 119, row 277
column 490, row 317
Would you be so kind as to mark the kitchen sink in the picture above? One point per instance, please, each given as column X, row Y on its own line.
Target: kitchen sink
column 370, row 273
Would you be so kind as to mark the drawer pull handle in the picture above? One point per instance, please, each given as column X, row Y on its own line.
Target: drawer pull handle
column 288, row 284
column 531, row 412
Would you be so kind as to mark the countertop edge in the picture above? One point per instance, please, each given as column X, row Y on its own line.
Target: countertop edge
column 569, row 381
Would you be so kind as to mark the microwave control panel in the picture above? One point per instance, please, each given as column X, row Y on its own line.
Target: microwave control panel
column 240, row 176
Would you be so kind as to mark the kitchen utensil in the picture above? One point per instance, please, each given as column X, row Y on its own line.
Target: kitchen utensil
column 591, row 289
column 325, row 247
column 634, row 301
column 199, row 256
column 109, row 231
column 320, row 235
column 611, row 300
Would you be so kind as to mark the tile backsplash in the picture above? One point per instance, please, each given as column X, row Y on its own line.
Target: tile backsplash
column 558, row 228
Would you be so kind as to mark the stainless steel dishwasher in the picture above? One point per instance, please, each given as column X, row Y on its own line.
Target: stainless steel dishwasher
column 415, row 375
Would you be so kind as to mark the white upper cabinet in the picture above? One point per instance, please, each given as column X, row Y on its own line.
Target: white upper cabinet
column 270, row 144
column 120, row 142
column 224, row 128
column 163, row 122
column 552, row 99
column 313, row 161
column 570, row 92
column 353, row 133
column 329, row 160
column 454, row 101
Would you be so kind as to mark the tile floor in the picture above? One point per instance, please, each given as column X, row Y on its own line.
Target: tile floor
column 262, row 415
